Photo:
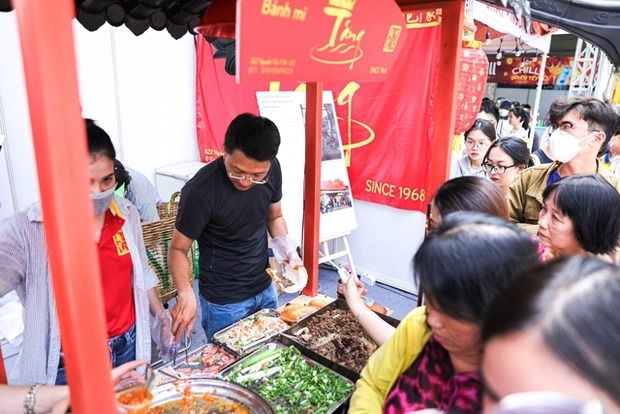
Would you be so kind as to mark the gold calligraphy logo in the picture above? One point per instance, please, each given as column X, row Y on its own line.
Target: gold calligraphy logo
column 121, row 244
column 344, row 44
column 421, row 18
column 392, row 38
column 345, row 99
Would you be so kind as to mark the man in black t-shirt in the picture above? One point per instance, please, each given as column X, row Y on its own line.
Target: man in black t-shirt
column 229, row 206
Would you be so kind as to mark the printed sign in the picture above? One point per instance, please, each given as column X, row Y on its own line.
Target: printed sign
column 317, row 40
column 386, row 128
column 523, row 72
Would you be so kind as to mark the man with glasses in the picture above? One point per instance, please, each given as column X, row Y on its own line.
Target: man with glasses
column 229, row 206
column 582, row 127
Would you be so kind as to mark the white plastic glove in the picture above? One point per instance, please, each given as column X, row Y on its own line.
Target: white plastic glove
column 161, row 332
column 285, row 250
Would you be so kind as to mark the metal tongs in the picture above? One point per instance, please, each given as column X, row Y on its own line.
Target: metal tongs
column 135, row 382
column 187, row 343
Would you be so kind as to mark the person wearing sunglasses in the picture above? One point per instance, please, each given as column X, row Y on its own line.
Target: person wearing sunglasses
column 582, row 128
column 230, row 206
column 505, row 159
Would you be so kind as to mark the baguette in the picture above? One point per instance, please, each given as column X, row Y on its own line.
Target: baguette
column 293, row 313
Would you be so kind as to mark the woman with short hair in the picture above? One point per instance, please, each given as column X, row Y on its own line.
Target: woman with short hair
column 556, row 328
column 580, row 216
column 433, row 358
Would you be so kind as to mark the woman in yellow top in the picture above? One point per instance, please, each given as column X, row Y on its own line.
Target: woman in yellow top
column 433, row 358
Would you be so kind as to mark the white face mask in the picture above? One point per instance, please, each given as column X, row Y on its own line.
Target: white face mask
column 102, row 200
column 563, row 146
column 503, row 113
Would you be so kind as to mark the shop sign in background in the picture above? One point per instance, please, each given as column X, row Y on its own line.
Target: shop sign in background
column 386, row 127
column 315, row 40
column 523, row 72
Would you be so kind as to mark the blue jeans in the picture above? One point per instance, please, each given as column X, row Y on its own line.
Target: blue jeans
column 122, row 349
column 216, row 317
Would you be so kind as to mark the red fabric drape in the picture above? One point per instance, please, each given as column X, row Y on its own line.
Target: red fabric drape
column 386, row 127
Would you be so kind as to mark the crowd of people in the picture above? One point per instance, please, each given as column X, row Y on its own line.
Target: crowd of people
column 518, row 268
column 518, row 273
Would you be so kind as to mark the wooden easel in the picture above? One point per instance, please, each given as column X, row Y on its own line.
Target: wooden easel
column 327, row 256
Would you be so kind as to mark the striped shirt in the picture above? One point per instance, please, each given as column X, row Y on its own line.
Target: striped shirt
column 24, row 268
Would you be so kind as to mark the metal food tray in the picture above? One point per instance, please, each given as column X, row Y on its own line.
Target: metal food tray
column 251, row 346
column 169, row 369
column 335, row 408
column 288, row 338
column 230, row 391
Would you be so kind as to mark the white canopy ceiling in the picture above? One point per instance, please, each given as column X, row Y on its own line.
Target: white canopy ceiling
column 505, row 22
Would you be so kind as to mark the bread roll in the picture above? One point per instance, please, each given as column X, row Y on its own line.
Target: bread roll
column 318, row 303
column 293, row 313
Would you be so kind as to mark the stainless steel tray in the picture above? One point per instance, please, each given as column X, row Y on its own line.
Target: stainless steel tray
column 334, row 408
column 249, row 344
column 235, row 393
column 171, row 370
column 288, row 337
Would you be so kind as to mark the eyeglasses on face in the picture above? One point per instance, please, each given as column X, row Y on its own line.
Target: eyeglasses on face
column 496, row 169
column 569, row 127
column 480, row 144
column 247, row 178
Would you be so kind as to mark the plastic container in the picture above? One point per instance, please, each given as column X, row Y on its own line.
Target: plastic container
column 132, row 396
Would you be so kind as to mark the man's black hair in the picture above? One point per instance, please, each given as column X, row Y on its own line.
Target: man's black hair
column 256, row 136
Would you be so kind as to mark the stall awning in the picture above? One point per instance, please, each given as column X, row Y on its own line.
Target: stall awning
column 504, row 21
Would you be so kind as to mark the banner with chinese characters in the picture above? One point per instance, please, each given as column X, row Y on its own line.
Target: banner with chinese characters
column 310, row 40
column 522, row 72
column 470, row 85
column 386, row 127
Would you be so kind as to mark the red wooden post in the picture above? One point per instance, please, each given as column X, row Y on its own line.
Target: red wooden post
column 312, row 190
column 58, row 131
column 3, row 377
column 445, row 106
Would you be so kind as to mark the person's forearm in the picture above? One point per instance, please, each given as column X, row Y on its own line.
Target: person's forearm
column 277, row 227
column 180, row 269
column 155, row 304
column 12, row 398
column 378, row 329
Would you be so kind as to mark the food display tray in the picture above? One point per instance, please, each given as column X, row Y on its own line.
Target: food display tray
column 171, row 370
column 288, row 337
column 338, row 407
column 244, row 349
column 175, row 391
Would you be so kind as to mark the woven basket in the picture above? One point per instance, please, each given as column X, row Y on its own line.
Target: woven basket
column 157, row 236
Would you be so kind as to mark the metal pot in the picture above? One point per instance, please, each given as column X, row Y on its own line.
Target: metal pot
column 171, row 391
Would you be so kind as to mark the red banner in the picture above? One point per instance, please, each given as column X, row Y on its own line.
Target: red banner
column 386, row 127
column 523, row 72
column 314, row 40
column 470, row 87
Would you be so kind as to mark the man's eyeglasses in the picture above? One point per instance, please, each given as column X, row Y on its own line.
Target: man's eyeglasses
column 248, row 178
column 569, row 127
column 497, row 169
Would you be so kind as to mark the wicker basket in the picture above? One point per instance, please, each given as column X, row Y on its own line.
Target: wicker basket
column 157, row 236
